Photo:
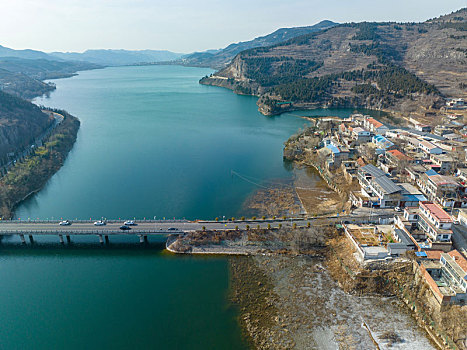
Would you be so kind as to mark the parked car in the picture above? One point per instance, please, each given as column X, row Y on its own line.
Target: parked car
column 129, row 223
column 398, row 209
column 125, row 228
column 65, row 223
column 99, row 223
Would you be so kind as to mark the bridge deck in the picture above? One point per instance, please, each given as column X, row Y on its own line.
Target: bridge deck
column 142, row 228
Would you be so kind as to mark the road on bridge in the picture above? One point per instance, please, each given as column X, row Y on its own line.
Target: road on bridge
column 142, row 227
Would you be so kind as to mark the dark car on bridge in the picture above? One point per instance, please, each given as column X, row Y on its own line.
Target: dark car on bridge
column 125, row 228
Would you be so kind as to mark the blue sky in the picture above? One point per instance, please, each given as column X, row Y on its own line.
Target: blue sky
column 184, row 25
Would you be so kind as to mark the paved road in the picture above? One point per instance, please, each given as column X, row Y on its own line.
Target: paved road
column 152, row 227
column 148, row 228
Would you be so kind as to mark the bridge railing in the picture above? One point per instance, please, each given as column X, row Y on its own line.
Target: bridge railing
column 81, row 221
column 89, row 232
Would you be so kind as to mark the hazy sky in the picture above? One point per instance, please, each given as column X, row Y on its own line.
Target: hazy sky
column 185, row 25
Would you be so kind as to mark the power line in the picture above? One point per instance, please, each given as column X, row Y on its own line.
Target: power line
column 252, row 179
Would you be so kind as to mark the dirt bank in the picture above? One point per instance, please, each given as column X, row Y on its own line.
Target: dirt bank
column 293, row 303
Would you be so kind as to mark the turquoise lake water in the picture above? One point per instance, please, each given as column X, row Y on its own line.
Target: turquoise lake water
column 152, row 143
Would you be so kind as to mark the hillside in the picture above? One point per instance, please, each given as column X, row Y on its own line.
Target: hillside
column 20, row 123
column 44, row 68
column 26, row 54
column 407, row 67
column 118, row 57
column 21, row 85
column 23, row 77
column 220, row 58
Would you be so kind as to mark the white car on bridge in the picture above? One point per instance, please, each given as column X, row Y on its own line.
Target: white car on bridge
column 99, row 223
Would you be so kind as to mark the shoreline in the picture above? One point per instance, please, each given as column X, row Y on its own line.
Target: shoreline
column 46, row 161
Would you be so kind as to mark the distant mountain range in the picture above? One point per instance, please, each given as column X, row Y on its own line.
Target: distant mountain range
column 22, row 71
column 220, row 58
column 100, row 57
column 27, row 54
column 117, row 57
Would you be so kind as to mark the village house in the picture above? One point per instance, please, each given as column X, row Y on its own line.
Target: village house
column 423, row 127
column 429, row 148
column 374, row 126
column 360, row 135
column 349, row 168
column 408, row 219
column 376, row 185
column 397, row 158
column 415, row 171
column 445, row 162
column 435, row 222
column 403, row 243
column 382, row 143
column 410, row 196
column 338, row 154
column 441, row 130
column 446, row 277
column 455, row 103
column 437, row 187
column 462, row 217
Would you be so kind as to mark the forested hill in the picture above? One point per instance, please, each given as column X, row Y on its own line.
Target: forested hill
column 20, row 123
column 219, row 59
column 405, row 66
column 23, row 77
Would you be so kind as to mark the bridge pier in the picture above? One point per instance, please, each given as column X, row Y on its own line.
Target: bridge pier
column 106, row 239
column 143, row 239
column 23, row 240
column 101, row 239
column 61, row 239
column 68, row 239
column 31, row 239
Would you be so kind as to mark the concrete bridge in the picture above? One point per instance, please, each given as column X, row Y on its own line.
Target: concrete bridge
column 142, row 229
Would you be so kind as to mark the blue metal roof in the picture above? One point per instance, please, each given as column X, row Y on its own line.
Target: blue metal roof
column 333, row 148
column 431, row 172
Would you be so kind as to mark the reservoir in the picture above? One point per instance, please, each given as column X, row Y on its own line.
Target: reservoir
column 153, row 143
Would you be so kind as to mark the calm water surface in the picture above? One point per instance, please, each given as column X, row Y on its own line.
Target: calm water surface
column 153, row 142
